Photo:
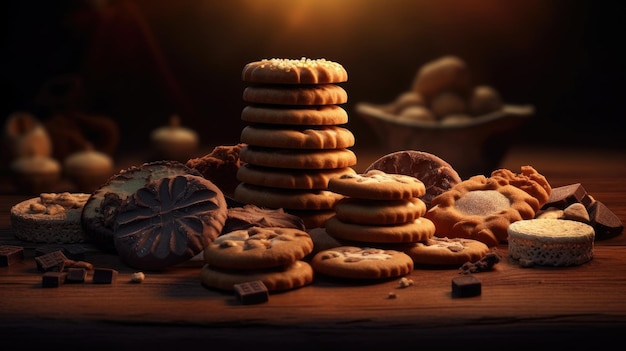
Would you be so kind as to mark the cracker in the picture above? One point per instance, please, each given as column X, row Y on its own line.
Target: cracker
column 446, row 252
column 300, row 159
column 285, row 198
column 293, row 137
column 295, row 115
column 294, row 71
column 418, row 230
column 354, row 262
column 296, row 95
column 290, row 178
column 377, row 185
column 379, row 212
column 257, row 247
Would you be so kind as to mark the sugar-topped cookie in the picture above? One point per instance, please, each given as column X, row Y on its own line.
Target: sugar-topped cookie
column 294, row 71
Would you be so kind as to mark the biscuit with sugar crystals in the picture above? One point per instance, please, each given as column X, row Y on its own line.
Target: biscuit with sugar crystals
column 377, row 185
column 379, row 212
column 290, row 178
column 296, row 199
column 418, row 230
column 355, row 262
column 438, row 251
column 295, row 115
column 294, row 71
column 298, row 158
column 292, row 137
column 258, row 247
column 323, row 94
column 282, row 278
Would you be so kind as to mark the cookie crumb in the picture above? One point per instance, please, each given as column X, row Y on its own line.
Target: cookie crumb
column 405, row 282
column 137, row 277
column 486, row 263
column 391, row 295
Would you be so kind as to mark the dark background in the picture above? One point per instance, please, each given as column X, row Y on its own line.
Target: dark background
column 140, row 61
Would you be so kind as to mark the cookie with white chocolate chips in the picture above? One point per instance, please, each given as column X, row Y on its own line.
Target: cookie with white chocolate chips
column 377, row 185
column 362, row 263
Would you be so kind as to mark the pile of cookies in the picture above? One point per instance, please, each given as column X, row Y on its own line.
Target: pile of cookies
column 294, row 141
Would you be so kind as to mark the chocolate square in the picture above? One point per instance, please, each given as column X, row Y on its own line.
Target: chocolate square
column 251, row 292
column 53, row 279
column 104, row 275
column 76, row 275
column 466, row 286
column 10, row 254
column 52, row 261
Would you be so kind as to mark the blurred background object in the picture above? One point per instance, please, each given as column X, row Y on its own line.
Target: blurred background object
column 140, row 61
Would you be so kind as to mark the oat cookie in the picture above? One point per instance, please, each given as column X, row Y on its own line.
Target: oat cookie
column 286, row 198
column 379, row 212
column 258, row 247
column 362, row 263
column 297, row 95
column 282, row 278
column 420, row 229
column 294, row 71
column 300, row 159
column 290, row 178
column 295, row 115
column 377, row 185
column 301, row 137
column 438, row 251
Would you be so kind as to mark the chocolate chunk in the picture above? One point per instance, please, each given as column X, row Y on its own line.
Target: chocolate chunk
column 53, row 279
column 466, row 286
column 51, row 262
column 104, row 275
column 605, row 223
column 76, row 275
column 72, row 251
column 563, row 196
column 253, row 216
column 251, row 292
column 484, row 264
column 10, row 254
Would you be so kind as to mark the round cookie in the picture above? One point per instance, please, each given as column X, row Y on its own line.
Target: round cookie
column 295, row 115
column 354, row 262
column 257, row 247
column 285, row 198
column 420, row 229
column 377, row 185
column 313, row 218
column 169, row 221
column 98, row 216
column 292, row 137
column 290, row 178
column 438, row 251
column 247, row 216
column 322, row 94
column 294, row 71
column 282, row 278
column 436, row 174
column 49, row 218
column 550, row 242
column 379, row 212
column 300, row 159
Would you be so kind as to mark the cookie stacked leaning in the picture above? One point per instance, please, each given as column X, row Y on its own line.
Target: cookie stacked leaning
column 272, row 255
column 295, row 138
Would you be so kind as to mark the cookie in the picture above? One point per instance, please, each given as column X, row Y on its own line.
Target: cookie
column 257, row 247
column 481, row 208
column 379, row 212
column 294, row 71
column 290, row 178
column 220, row 166
column 50, row 218
column 322, row 94
column 285, row 198
column 291, row 276
column 300, row 137
column 247, row 216
column 420, row 229
column 377, row 185
column 322, row 241
column 168, row 221
column 295, row 115
column 300, row 159
column 313, row 218
column 528, row 180
column 436, row 174
column 354, row 262
column 438, row 251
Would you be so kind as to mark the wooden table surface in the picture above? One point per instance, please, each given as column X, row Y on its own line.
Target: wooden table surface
column 542, row 307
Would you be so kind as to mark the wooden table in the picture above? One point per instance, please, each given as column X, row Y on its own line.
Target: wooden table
column 544, row 307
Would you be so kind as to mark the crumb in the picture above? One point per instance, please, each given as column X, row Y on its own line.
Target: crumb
column 391, row 295
column 405, row 282
column 486, row 263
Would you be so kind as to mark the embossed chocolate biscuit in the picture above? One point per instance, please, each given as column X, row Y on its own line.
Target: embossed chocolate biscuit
column 294, row 71
column 300, row 159
column 322, row 94
column 257, row 247
column 418, row 230
column 282, row 278
column 169, row 221
column 377, row 185
column 438, row 251
column 362, row 263
column 301, row 137
column 295, row 115
column 379, row 212
column 285, row 198
column 290, row 178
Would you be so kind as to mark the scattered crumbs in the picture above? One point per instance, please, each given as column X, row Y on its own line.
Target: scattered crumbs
column 405, row 282
column 486, row 263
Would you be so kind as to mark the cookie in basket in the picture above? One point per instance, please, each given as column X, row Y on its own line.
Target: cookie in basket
column 377, row 185
column 257, row 247
column 295, row 115
column 446, row 252
column 366, row 263
column 417, row 230
column 379, row 212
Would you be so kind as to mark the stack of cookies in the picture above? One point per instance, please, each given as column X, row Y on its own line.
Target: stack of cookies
column 295, row 141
